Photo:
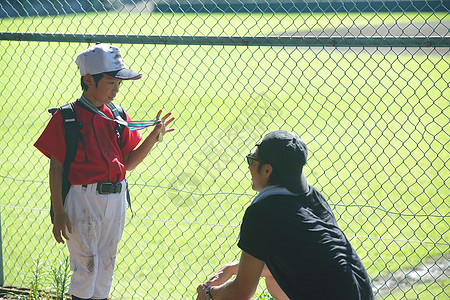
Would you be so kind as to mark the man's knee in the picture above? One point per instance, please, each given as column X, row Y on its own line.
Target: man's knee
column 274, row 289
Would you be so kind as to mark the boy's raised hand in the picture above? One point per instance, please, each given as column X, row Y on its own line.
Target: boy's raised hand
column 162, row 127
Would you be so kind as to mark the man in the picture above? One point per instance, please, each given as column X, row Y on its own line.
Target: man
column 289, row 232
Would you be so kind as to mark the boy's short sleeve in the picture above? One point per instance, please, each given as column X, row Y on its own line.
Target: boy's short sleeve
column 130, row 139
column 52, row 140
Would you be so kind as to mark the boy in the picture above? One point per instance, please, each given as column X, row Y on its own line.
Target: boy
column 93, row 216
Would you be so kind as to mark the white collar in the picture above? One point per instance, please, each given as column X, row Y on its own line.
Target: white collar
column 272, row 190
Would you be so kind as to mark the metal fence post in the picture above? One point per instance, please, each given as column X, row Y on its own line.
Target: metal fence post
column 1, row 255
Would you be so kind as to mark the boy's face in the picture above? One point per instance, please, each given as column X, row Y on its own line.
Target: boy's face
column 105, row 90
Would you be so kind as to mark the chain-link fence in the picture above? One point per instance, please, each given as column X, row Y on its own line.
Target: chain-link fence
column 364, row 83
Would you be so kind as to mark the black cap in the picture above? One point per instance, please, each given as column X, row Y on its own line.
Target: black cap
column 287, row 154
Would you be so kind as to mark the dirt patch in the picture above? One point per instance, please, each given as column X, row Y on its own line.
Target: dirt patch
column 402, row 280
column 14, row 292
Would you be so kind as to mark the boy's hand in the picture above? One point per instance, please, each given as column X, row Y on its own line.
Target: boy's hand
column 161, row 128
column 60, row 223
column 137, row 155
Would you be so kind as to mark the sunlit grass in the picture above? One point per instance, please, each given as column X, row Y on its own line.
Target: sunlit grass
column 376, row 127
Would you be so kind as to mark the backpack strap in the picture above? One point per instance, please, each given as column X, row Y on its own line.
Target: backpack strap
column 72, row 133
column 119, row 127
column 71, row 128
column 119, row 130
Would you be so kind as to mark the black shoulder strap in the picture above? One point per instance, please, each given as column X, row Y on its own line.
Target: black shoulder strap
column 119, row 127
column 72, row 129
column 121, row 111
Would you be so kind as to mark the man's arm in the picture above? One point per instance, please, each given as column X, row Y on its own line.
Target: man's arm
column 223, row 274
column 243, row 286
column 61, row 220
column 137, row 155
column 230, row 269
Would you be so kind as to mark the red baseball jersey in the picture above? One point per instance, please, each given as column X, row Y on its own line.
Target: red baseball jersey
column 105, row 157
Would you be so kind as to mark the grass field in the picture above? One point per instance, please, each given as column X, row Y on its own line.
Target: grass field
column 376, row 126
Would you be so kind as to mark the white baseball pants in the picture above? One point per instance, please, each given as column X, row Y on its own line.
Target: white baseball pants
column 97, row 226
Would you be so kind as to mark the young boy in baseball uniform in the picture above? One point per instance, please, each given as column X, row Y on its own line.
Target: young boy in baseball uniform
column 92, row 217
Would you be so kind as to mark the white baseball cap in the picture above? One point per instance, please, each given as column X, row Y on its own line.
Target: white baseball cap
column 106, row 59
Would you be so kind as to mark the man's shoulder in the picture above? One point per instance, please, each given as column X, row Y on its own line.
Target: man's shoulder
column 282, row 197
column 313, row 199
column 271, row 203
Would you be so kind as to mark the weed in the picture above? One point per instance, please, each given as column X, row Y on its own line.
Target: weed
column 60, row 273
column 264, row 296
column 36, row 279
column 56, row 275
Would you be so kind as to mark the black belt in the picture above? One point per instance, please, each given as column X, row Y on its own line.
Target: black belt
column 107, row 187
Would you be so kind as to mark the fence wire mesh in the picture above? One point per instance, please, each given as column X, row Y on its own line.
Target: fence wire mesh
column 364, row 83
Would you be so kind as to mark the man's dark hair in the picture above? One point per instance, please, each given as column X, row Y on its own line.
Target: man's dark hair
column 274, row 178
column 97, row 78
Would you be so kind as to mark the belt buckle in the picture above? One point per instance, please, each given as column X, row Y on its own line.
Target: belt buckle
column 106, row 187
column 117, row 187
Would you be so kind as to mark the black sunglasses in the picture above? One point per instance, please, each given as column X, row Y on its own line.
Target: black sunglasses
column 250, row 159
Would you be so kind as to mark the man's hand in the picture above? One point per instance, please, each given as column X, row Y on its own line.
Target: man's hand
column 223, row 274
column 201, row 292
column 218, row 278
column 248, row 271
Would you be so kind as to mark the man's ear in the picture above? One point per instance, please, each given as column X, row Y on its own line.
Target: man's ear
column 268, row 169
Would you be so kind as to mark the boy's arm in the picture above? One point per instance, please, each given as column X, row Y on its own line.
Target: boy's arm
column 137, row 155
column 60, row 220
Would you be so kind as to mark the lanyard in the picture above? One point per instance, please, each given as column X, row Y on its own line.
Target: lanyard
column 132, row 125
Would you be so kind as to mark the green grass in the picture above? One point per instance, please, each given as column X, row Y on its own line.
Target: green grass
column 376, row 126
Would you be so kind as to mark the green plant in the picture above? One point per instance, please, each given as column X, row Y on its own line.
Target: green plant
column 18, row 297
column 60, row 275
column 15, row 296
column 263, row 296
column 37, row 276
column 57, row 275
